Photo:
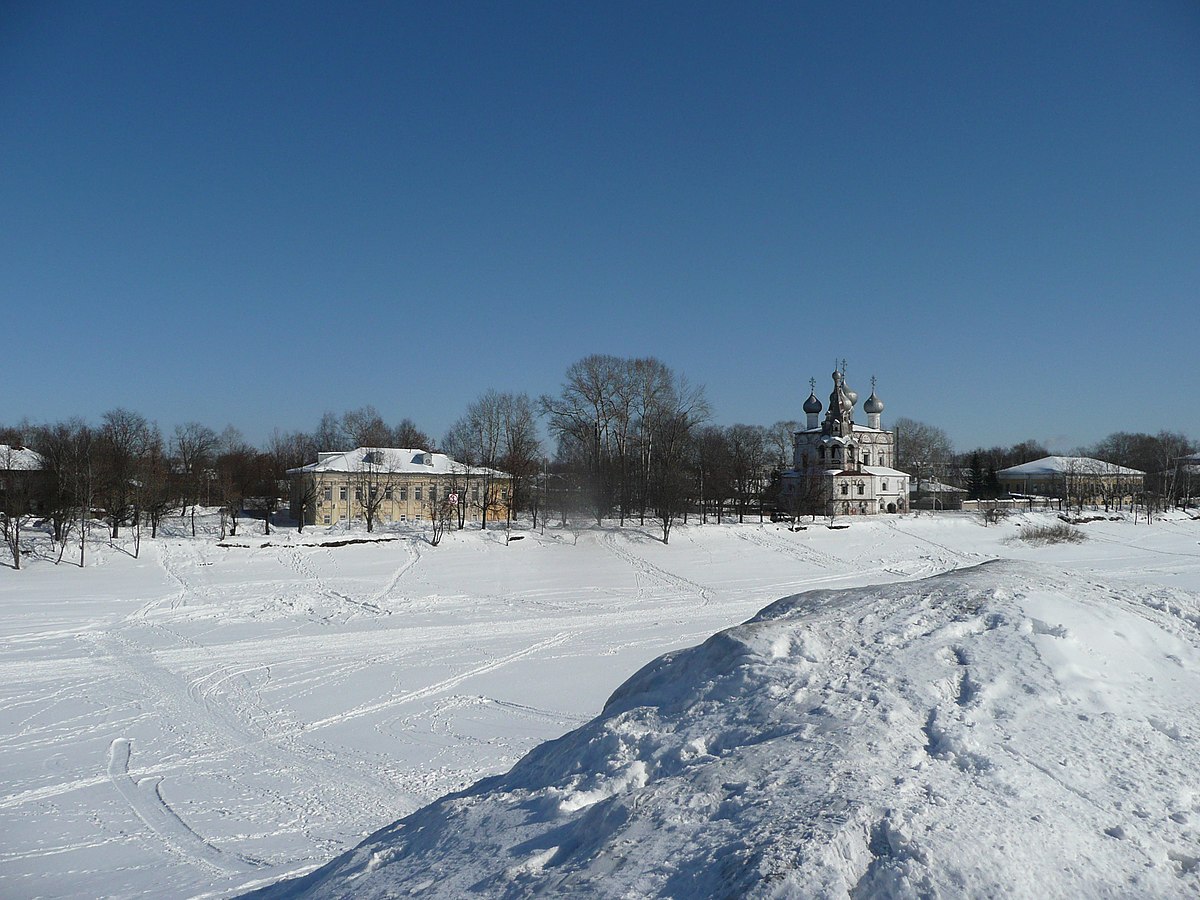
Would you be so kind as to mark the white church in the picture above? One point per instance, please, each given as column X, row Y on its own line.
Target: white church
column 839, row 467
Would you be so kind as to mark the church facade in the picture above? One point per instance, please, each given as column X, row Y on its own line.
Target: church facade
column 840, row 467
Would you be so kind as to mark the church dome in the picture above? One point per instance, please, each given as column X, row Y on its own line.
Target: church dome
column 873, row 405
column 812, row 404
column 852, row 394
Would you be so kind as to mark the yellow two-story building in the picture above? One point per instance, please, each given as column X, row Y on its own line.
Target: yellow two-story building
column 383, row 484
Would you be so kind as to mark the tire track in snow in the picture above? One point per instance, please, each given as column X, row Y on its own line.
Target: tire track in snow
column 145, row 797
column 444, row 685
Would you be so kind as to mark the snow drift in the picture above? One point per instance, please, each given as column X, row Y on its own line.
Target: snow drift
column 1003, row 730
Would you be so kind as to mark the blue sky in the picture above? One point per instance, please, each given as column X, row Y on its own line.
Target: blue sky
column 252, row 213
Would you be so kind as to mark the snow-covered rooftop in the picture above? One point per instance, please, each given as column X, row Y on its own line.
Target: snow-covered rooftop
column 857, row 427
column 1065, row 465
column 886, row 471
column 22, row 459
column 393, row 460
column 933, row 486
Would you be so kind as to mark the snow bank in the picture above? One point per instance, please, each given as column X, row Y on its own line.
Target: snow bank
column 1001, row 730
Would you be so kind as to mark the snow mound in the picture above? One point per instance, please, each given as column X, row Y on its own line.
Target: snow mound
column 1004, row 730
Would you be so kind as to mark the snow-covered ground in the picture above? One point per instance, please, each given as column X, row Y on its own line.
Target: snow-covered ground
column 206, row 719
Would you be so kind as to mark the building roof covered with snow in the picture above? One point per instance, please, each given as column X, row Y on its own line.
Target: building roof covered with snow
column 1059, row 466
column 20, row 459
column 392, row 460
column 933, row 486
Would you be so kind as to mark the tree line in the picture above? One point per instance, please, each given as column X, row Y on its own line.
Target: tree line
column 630, row 439
column 926, row 451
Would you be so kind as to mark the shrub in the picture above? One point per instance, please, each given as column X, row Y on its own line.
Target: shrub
column 1050, row 534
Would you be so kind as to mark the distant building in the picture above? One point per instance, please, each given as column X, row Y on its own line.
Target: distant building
column 1080, row 479
column 840, row 467
column 929, row 493
column 1187, row 479
column 394, row 485
column 23, row 476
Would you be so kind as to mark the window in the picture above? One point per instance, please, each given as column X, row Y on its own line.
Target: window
column 433, row 493
column 403, row 517
column 845, row 488
column 475, row 493
column 374, row 492
column 325, row 521
column 417, row 495
column 341, row 493
column 861, row 489
column 866, row 457
column 404, row 494
column 358, row 495
column 328, row 494
column 885, row 485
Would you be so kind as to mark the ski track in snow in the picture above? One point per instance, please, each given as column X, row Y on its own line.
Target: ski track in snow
column 145, row 797
column 798, row 550
column 642, row 566
column 439, row 687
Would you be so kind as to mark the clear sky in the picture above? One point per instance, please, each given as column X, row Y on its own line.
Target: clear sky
column 250, row 213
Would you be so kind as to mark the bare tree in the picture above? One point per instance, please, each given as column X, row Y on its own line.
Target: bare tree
column 125, row 441
column 713, row 471
column 292, row 450
column 748, row 459
column 54, row 443
column 373, row 481
column 460, row 446
column 14, row 497
column 674, row 425
column 582, row 417
column 479, row 437
column 157, row 493
column 195, row 446
column 441, row 512
column 364, row 427
column 328, row 433
column 781, row 443
column 236, row 475
column 408, row 436
column 521, row 454
column 650, row 387
column 921, row 450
